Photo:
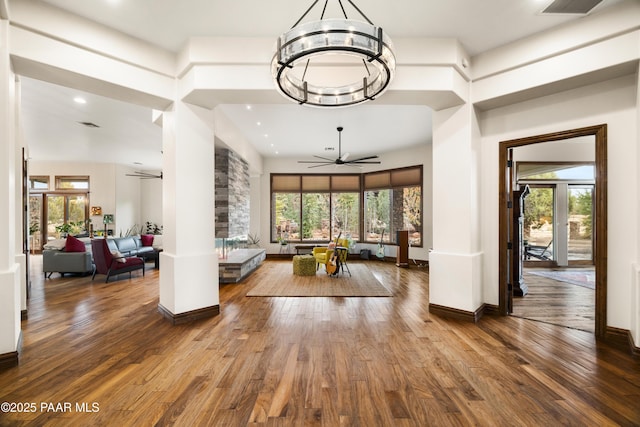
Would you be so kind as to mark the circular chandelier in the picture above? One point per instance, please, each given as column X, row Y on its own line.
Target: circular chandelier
column 363, row 50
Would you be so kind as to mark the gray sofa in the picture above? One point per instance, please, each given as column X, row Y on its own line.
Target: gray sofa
column 62, row 262
column 56, row 260
column 129, row 246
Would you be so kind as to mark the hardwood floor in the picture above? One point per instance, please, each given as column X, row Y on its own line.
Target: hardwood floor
column 382, row 361
column 557, row 302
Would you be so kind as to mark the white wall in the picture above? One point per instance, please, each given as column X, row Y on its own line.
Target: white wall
column 397, row 159
column 151, row 201
column 127, row 214
column 582, row 149
column 110, row 188
column 612, row 102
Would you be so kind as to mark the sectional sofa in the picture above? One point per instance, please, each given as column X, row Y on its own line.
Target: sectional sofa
column 56, row 257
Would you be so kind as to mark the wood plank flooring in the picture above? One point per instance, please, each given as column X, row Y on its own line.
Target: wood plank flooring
column 304, row 361
column 557, row 302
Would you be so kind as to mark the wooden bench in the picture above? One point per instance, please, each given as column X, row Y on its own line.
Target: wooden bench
column 305, row 249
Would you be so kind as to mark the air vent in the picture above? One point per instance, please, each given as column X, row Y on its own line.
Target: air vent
column 329, row 148
column 89, row 124
column 573, row 7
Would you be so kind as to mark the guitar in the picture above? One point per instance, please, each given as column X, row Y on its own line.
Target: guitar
column 380, row 253
column 332, row 265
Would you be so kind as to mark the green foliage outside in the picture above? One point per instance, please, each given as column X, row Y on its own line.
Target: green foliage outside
column 581, row 203
column 538, row 209
column 306, row 216
column 378, row 213
column 346, row 214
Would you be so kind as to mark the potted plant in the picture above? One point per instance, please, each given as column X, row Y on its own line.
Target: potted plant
column 253, row 240
column 63, row 230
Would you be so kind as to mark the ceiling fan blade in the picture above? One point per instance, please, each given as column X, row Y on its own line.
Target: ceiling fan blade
column 144, row 175
column 364, row 158
column 342, row 158
column 324, row 158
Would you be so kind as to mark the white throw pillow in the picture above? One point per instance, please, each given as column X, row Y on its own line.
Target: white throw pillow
column 118, row 256
column 56, row 245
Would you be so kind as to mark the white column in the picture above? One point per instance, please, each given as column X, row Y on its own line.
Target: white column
column 9, row 269
column 635, row 284
column 21, row 257
column 188, row 263
column 455, row 264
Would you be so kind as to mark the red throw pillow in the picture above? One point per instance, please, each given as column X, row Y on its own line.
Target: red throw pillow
column 74, row 245
column 147, row 239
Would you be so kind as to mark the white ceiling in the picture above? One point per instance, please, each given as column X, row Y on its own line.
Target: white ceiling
column 127, row 135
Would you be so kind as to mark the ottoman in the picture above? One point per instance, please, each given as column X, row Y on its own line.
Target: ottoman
column 304, row 265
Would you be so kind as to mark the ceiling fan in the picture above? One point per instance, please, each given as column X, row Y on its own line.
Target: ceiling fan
column 145, row 175
column 342, row 158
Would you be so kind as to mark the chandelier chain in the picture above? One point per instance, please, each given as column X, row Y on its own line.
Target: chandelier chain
column 326, row 2
column 342, row 7
column 360, row 12
column 305, row 14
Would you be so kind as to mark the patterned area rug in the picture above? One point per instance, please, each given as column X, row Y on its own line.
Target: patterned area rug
column 581, row 277
column 278, row 280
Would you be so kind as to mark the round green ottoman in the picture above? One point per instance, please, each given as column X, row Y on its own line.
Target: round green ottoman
column 304, row 265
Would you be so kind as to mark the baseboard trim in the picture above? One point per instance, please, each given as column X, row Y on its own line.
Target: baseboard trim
column 622, row 339
column 11, row 359
column 491, row 310
column 635, row 350
column 189, row 316
column 454, row 313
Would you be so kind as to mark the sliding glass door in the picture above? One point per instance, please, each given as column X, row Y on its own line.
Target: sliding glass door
column 538, row 224
column 580, row 223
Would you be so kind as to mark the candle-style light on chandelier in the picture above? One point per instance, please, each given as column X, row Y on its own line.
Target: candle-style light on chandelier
column 341, row 49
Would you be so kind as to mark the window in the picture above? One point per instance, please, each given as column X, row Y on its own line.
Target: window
column 60, row 211
column 38, row 183
column 555, row 171
column 301, row 207
column 72, row 182
column 317, row 208
column 345, row 214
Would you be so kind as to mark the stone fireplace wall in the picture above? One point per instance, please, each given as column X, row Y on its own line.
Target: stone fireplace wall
column 232, row 194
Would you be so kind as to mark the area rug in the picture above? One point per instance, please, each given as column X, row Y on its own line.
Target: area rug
column 580, row 277
column 278, row 280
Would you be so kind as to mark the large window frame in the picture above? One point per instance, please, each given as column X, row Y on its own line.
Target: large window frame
column 69, row 189
column 289, row 191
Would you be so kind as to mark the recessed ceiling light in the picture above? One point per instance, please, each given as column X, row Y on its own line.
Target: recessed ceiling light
column 248, row 107
column 266, row 135
column 258, row 123
column 276, row 151
column 80, row 100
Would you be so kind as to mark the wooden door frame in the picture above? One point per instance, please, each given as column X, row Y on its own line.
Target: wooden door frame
column 600, row 211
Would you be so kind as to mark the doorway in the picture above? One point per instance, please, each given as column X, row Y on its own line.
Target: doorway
column 598, row 194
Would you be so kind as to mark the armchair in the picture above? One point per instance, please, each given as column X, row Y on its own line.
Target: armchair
column 323, row 254
column 107, row 263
